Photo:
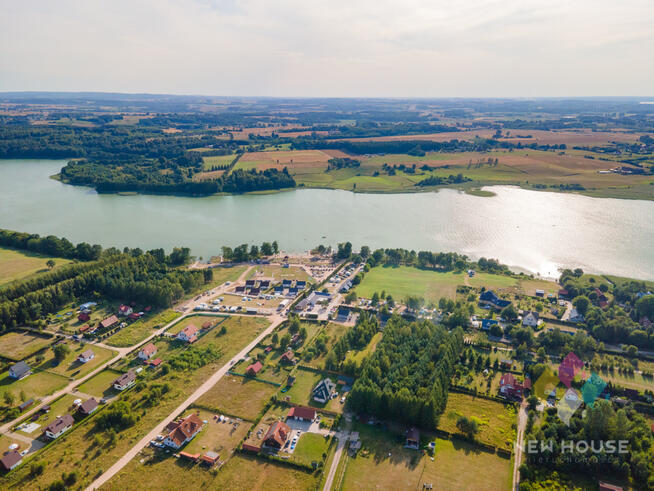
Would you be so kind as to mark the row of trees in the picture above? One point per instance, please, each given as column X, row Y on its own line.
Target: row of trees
column 50, row 245
column 241, row 253
column 407, row 377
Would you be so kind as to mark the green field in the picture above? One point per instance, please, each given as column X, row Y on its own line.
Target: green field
column 100, row 385
column 310, row 448
column 404, row 281
column 39, row 384
column 70, row 367
column 217, row 160
column 19, row 265
column 302, row 391
column 141, row 329
column 19, row 345
column 279, row 273
column 238, row 396
column 383, row 463
column 496, row 421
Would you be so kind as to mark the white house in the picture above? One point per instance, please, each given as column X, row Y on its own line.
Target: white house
column 59, row 426
column 183, row 431
column 189, row 334
column 147, row 352
column 125, row 381
column 19, row 370
column 86, row 356
column 530, row 318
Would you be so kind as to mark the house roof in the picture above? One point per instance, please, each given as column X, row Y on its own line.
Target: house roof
column 10, row 459
column 413, row 434
column 507, row 379
column 156, row 362
column 20, row 368
column 125, row 378
column 109, row 321
column 124, row 308
column 88, row 405
column 210, row 457
column 60, row 423
column 288, row 356
column 277, row 433
column 149, row 349
column 84, row 328
column 185, row 428
column 255, row 367
column 302, row 412
column 604, row 486
column 189, row 331
column 532, row 313
column 87, row 354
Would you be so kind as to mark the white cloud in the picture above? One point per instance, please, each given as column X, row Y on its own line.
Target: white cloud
column 330, row 48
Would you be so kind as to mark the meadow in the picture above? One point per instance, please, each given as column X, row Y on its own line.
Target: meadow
column 141, row 329
column 20, row 265
column 238, row 396
column 69, row 366
column 19, row 345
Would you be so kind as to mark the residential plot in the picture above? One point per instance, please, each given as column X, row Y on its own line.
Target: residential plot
column 279, row 273
column 496, row 420
column 301, row 392
column 329, row 335
column 70, row 366
column 200, row 321
column 18, row 265
column 141, row 329
column 238, row 396
column 39, row 384
column 217, row 436
column 33, row 426
column 19, row 345
column 101, row 385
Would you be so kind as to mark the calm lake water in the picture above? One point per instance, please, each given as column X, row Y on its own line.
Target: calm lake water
column 536, row 231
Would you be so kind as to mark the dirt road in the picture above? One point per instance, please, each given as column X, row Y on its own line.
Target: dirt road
column 519, row 442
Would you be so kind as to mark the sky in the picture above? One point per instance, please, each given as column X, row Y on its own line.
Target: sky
column 335, row 48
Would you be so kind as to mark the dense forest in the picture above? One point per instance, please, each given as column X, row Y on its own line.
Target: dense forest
column 407, row 378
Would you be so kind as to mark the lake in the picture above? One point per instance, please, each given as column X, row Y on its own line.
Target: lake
column 536, row 231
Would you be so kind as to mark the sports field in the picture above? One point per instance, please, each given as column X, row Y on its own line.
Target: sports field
column 17, row 265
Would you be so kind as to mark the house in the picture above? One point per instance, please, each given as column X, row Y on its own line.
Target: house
column 276, row 436
column 510, row 387
column 602, row 300
column 11, row 459
column 530, row 318
column 85, row 328
column 296, row 339
column 540, row 293
column 86, row 306
column 300, row 285
column 490, row 298
column 147, row 352
column 286, row 283
column 239, row 289
column 292, row 292
column 290, row 381
column 210, row 458
column 125, row 381
column 183, row 431
column 88, row 407
column 59, row 426
column 125, row 310
column 134, row 316
column 254, row 369
column 84, row 317
column 287, row 357
column 19, row 370
column 343, row 314
column 575, row 316
column 301, row 413
column 563, row 293
column 255, row 291
column 155, row 363
column 109, row 322
column 264, row 284
column 412, row 439
column 487, row 323
column 279, row 290
column 249, row 283
column 324, row 391
column 190, row 456
column 506, row 364
column 189, row 334
column 87, row 355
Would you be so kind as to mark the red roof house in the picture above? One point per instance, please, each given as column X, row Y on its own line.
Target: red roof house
column 302, row 413
column 277, row 435
column 110, row 321
column 183, row 431
column 84, row 317
column 253, row 369
column 510, row 387
column 188, row 334
column 287, row 357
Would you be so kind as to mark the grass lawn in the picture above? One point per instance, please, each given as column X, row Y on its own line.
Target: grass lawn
column 197, row 321
column 223, row 274
column 460, row 465
column 402, row 282
column 359, row 356
column 240, row 472
column 63, row 405
column 217, row 160
column 278, row 273
column 39, row 384
column 19, row 265
column 496, row 421
column 310, row 448
column 240, row 330
column 6, row 441
column 70, row 367
column 19, row 345
column 141, row 329
column 100, row 385
column 218, row 437
column 492, row 281
column 238, row 396
column 302, row 391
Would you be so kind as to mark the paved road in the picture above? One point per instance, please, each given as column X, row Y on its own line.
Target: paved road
column 519, row 442
column 122, row 352
column 210, row 382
